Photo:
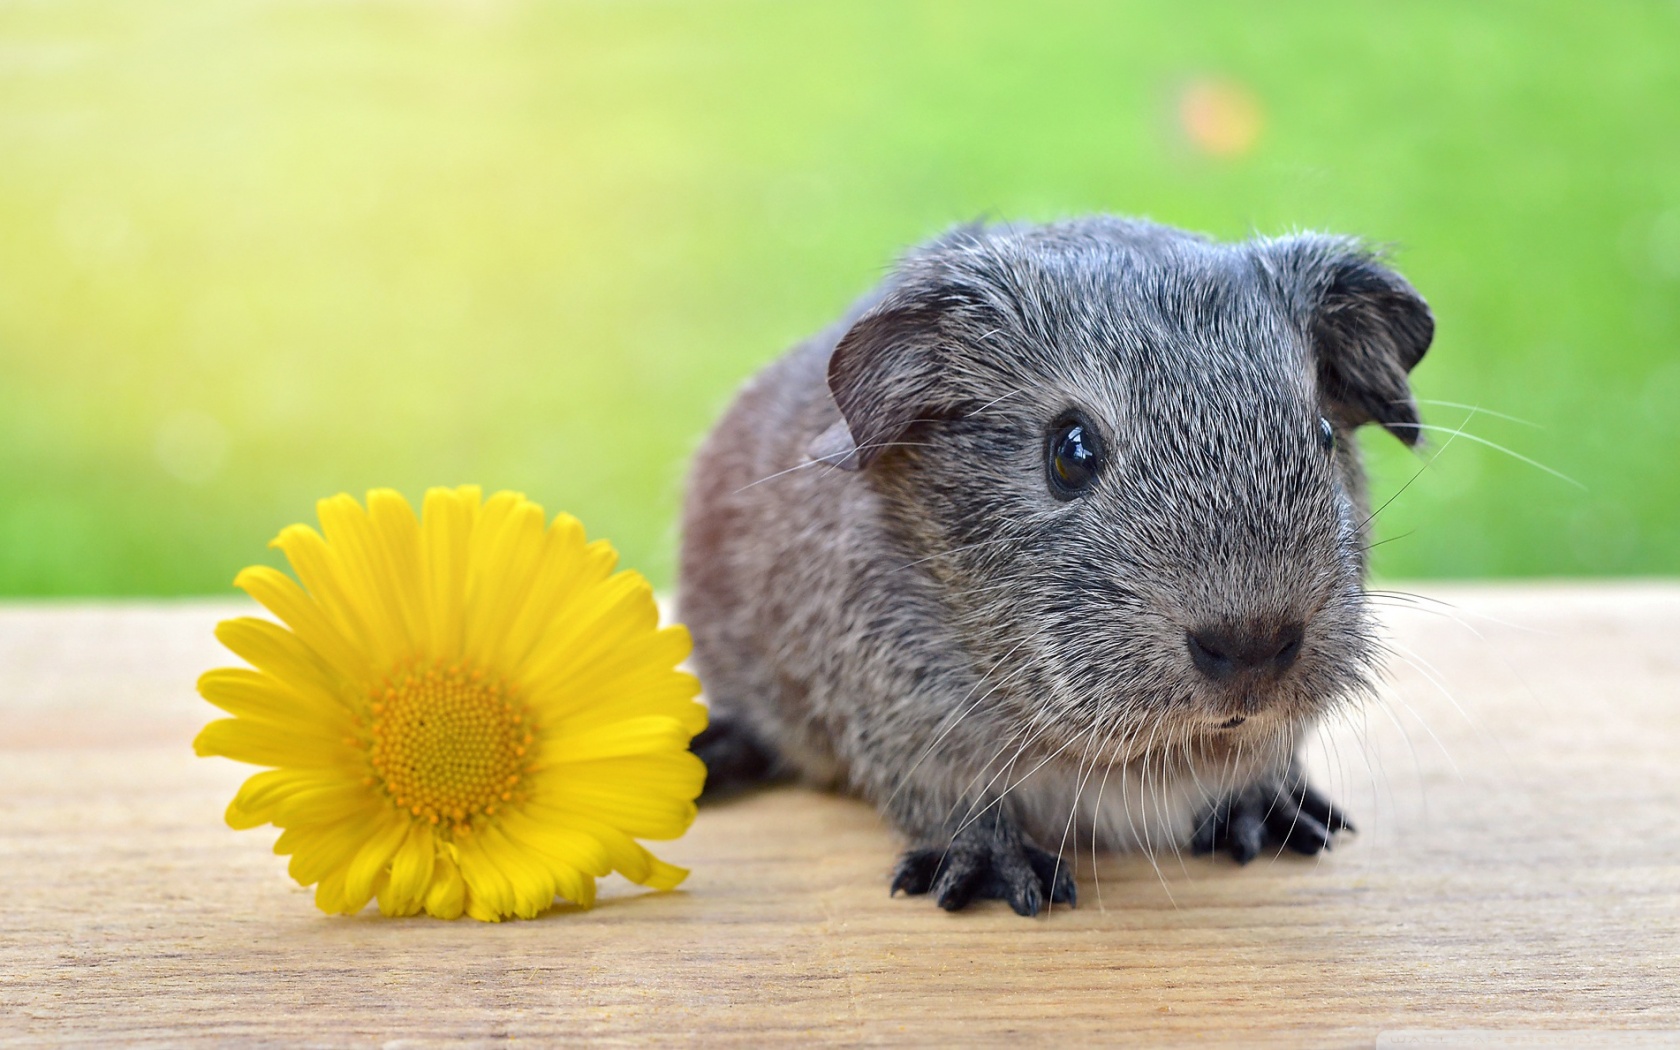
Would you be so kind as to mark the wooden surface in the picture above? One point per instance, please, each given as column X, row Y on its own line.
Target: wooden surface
column 1517, row 867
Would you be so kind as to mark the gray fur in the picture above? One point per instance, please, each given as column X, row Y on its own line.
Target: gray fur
column 885, row 594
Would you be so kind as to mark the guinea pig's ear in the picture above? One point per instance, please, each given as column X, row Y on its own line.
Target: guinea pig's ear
column 1368, row 327
column 882, row 376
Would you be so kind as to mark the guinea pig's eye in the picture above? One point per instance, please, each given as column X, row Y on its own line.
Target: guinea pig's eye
column 1074, row 455
column 1326, row 435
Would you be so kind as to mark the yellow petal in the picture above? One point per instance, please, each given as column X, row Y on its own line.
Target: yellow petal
column 559, row 567
column 565, row 845
column 322, row 805
column 262, row 744
column 663, row 692
column 628, row 858
column 663, row 876
column 573, row 885
column 319, row 850
column 329, row 895
column 371, row 860
column 446, row 534
column 631, row 736
column 640, row 813
column 490, row 893
column 274, row 650
column 447, row 896
column 282, row 596
column 262, row 794
column 364, row 568
column 317, row 569
column 507, row 546
column 263, row 698
column 670, row 774
column 532, row 882
column 398, row 536
column 634, row 651
column 611, row 614
column 411, row 872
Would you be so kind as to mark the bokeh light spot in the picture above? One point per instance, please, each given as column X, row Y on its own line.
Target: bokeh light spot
column 1220, row 117
column 191, row 447
column 1664, row 242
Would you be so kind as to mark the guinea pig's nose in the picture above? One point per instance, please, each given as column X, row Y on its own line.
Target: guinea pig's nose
column 1222, row 651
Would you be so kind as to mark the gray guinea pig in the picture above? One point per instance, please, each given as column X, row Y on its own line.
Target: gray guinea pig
column 1057, row 537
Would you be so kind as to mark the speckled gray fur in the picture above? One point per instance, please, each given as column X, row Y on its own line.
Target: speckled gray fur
column 887, row 598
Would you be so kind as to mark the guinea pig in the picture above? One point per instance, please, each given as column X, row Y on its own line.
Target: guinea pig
column 1059, row 534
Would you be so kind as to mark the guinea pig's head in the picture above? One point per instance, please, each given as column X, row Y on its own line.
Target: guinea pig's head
column 1123, row 458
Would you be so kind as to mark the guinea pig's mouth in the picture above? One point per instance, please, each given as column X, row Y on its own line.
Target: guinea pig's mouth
column 1228, row 725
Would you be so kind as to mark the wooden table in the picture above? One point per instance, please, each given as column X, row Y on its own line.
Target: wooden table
column 1517, row 867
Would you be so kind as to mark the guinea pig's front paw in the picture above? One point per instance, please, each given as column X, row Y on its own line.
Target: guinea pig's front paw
column 1269, row 815
column 986, row 862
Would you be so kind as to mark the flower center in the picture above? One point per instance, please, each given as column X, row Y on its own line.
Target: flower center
column 448, row 742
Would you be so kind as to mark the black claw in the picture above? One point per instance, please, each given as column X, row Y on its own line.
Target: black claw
column 1321, row 808
column 993, row 863
column 957, row 885
column 1303, row 835
column 1271, row 815
column 1056, row 875
column 1026, row 898
column 1208, row 834
column 735, row 759
column 1247, row 835
column 915, row 873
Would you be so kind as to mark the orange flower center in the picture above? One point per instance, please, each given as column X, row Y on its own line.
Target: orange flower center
column 449, row 743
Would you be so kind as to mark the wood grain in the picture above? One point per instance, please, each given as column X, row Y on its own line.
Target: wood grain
column 1517, row 867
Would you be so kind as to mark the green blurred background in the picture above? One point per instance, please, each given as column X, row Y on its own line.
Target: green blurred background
column 254, row 253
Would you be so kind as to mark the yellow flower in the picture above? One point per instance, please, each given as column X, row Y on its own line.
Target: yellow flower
column 465, row 713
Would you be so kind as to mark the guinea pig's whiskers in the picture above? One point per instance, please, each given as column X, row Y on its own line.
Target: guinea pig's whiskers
column 1333, row 760
column 1009, row 788
column 1020, row 740
column 1373, row 515
column 820, row 461
column 957, row 550
column 1079, row 778
column 1185, row 747
column 836, row 464
column 1414, row 601
column 993, row 403
column 1473, row 409
column 1333, row 747
column 1407, row 602
column 1119, row 754
column 1144, row 798
column 1430, row 673
column 1209, row 800
column 1132, row 760
column 1083, row 777
column 1382, row 704
column 1378, row 543
column 964, row 708
column 1407, row 597
column 1227, row 783
column 1007, row 770
column 1097, row 811
column 1451, row 611
column 831, row 460
column 1536, row 464
column 1361, row 729
column 1394, row 696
